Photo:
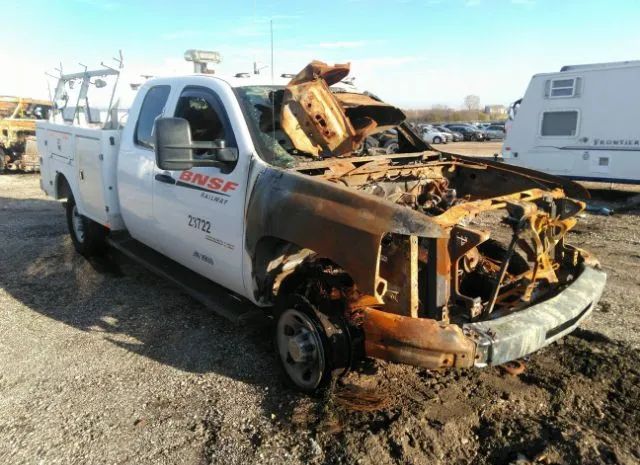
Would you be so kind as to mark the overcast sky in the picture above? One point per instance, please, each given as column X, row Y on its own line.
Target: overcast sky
column 413, row 53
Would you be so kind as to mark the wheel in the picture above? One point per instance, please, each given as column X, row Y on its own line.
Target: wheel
column 88, row 237
column 370, row 143
column 437, row 140
column 2, row 160
column 312, row 348
column 391, row 146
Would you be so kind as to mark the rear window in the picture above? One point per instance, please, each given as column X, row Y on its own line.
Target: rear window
column 152, row 107
column 559, row 123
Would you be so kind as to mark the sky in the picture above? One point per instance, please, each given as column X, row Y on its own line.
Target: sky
column 412, row 53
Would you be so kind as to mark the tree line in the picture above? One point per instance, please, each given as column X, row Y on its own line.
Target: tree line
column 443, row 113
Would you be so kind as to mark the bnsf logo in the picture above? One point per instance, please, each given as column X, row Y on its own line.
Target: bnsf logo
column 208, row 182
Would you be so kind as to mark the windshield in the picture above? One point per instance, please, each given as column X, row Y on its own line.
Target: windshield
column 261, row 106
column 380, row 126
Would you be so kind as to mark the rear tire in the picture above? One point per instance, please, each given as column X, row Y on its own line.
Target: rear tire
column 88, row 237
column 437, row 140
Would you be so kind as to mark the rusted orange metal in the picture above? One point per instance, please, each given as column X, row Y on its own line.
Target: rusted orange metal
column 416, row 341
column 324, row 124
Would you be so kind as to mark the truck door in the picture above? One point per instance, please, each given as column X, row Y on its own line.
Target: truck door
column 200, row 212
column 135, row 166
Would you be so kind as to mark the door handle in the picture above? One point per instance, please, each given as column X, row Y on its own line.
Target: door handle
column 166, row 178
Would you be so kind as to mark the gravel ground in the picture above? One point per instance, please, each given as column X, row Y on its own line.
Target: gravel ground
column 485, row 149
column 101, row 362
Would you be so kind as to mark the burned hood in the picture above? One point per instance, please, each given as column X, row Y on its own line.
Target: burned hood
column 325, row 124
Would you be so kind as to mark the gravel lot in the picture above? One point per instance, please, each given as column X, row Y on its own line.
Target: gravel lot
column 485, row 149
column 102, row 363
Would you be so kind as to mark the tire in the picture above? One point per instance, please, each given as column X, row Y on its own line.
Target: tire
column 313, row 348
column 2, row 155
column 371, row 143
column 391, row 146
column 437, row 140
column 88, row 237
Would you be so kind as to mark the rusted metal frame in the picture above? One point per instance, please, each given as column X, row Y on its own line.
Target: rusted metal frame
column 503, row 271
column 399, row 267
column 570, row 187
column 453, row 216
column 413, row 284
column 416, row 341
column 438, row 279
column 382, row 172
column 464, row 240
column 327, row 162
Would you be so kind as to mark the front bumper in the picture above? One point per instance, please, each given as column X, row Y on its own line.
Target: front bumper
column 524, row 332
column 427, row 343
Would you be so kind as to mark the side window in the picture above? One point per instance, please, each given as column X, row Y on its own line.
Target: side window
column 152, row 107
column 206, row 118
column 562, row 88
column 559, row 123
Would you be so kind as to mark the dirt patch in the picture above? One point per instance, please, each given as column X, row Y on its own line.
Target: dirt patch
column 577, row 402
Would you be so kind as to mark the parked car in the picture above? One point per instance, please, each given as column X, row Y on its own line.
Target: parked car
column 387, row 140
column 470, row 133
column 494, row 132
column 455, row 136
column 432, row 135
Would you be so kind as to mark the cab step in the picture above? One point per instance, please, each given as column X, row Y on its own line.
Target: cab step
column 234, row 308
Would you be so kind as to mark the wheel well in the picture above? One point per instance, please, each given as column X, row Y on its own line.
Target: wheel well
column 63, row 190
column 281, row 267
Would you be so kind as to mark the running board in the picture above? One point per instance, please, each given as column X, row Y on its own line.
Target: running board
column 213, row 296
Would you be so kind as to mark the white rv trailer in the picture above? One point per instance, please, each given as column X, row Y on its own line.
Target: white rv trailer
column 582, row 123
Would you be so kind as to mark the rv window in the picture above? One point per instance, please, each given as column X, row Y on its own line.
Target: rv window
column 559, row 123
column 563, row 87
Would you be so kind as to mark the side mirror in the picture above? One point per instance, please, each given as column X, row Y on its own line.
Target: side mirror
column 174, row 147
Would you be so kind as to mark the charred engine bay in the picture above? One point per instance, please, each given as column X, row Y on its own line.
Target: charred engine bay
column 505, row 247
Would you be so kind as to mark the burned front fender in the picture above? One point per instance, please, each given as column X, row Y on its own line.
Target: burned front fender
column 337, row 223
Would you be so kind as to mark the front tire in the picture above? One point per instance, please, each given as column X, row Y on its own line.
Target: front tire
column 313, row 349
column 88, row 237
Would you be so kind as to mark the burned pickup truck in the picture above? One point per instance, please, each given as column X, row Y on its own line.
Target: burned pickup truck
column 418, row 257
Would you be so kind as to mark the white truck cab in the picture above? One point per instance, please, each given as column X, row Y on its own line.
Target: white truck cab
column 195, row 217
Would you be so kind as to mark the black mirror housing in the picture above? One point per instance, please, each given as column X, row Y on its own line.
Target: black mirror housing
column 174, row 147
column 173, row 139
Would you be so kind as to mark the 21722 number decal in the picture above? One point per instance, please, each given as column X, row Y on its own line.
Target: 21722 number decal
column 200, row 223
